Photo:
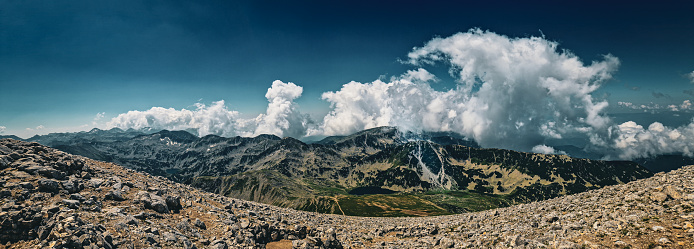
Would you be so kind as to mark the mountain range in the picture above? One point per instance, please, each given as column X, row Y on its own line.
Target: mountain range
column 51, row 199
column 425, row 174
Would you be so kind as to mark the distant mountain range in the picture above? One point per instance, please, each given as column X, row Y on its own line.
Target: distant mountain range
column 438, row 172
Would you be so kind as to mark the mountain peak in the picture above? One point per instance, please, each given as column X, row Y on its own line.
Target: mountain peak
column 267, row 136
column 177, row 136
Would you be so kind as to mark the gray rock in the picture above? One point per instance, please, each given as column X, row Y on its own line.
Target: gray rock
column 152, row 230
column 45, row 171
column 658, row 196
column 218, row 244
column 130, row 220
column 114, row 211
column 74, row 204
column 115, row 195
column 173, row 203
column 169, row 237
column 95, row 182
column 664, row 241
column 72, row 185
column 152, row 201
column 48, row 185
column 78, row 197
column 150, row 239
column 199, row 223
column 672, row 192
column 26, row 185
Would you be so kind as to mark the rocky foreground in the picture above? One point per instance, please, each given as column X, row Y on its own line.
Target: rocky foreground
column 51, row 199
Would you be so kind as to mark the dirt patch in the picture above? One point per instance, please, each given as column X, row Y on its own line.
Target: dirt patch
column 282, row 244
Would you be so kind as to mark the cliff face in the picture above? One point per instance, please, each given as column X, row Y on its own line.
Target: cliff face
column 57, row 200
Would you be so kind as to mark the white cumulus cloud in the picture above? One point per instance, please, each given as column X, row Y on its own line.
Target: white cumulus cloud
column 214, row 119
column 515, row 93
column 634, row 141
column 2, row 129
column 544, row 149
column 281, row 117
column 512, row 92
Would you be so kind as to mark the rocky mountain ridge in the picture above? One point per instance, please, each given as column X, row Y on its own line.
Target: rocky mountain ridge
column 51, row 199
column 317, row 177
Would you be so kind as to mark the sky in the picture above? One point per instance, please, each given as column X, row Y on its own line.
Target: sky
column 525, row 76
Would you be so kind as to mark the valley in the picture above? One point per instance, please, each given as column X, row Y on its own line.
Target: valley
column 428, row 174
column 51, row 199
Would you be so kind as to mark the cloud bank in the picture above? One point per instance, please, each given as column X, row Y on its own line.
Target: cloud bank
column 281, row 118
column 686, row 106
column 514, row 93
column 214, row 119
column 633, row 141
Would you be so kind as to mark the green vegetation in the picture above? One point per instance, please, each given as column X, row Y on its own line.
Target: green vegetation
column 465, row 201
column 389, row 205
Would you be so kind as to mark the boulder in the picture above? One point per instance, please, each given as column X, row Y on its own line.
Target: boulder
column 74, row 204
column 173, row 203
column 115, row 195
column 152, row 201
column 48, row 185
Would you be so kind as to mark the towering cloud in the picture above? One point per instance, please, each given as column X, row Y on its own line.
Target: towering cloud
column 282, row 118
column 512, row 93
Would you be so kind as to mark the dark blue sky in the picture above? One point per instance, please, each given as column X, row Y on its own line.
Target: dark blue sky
column 61, row 62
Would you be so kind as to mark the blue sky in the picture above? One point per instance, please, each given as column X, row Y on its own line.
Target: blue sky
column 62, row 63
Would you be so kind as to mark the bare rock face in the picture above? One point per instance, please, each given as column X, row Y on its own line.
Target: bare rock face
column 82, row 210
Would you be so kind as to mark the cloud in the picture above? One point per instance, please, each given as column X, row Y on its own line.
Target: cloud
column 98, row 117
column 512, row 92
column 689, row 91
column 631, row 140
column 515, row 93
column 214, row 119
column 686, row 105
column 544, row 149
column 37, row 128
column 691, row 76
column 2, row 129
column 281, row 118
column 407, row 102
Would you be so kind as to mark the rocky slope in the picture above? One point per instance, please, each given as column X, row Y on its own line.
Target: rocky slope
column 52, row 199
column 317, row 177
